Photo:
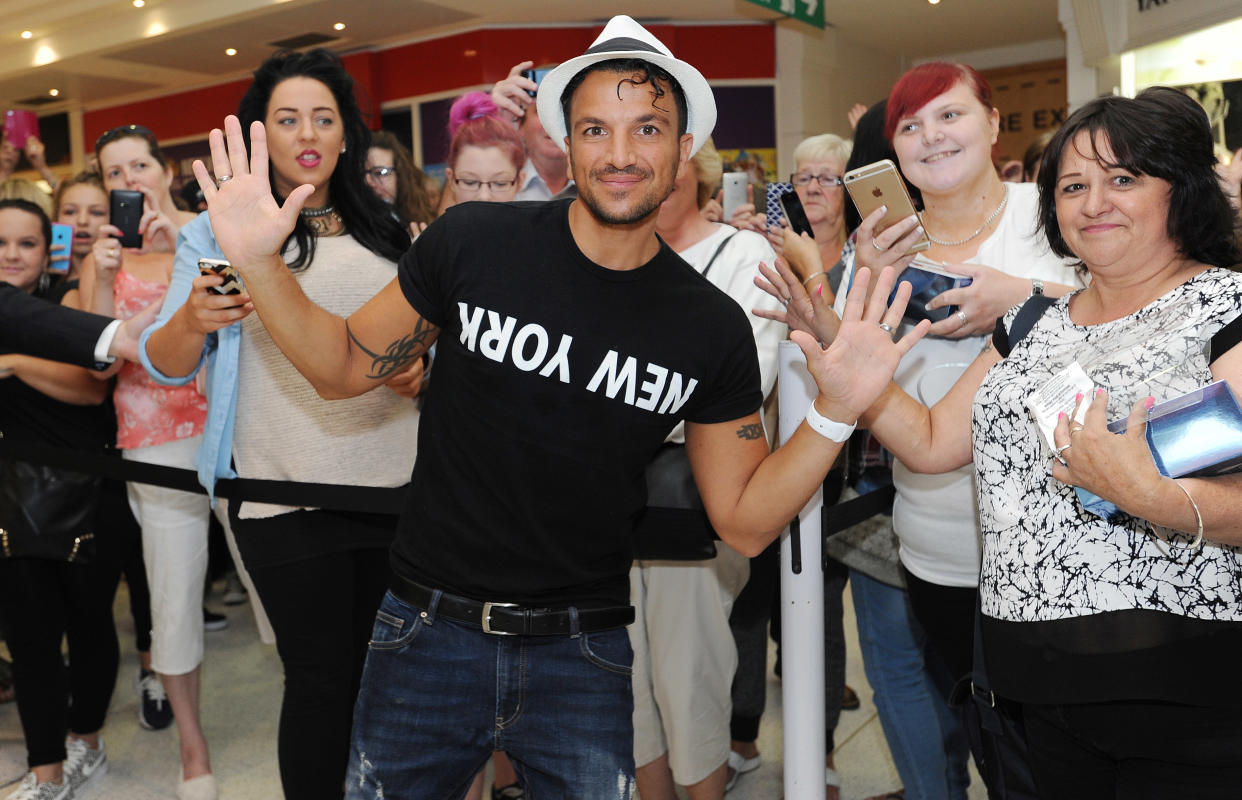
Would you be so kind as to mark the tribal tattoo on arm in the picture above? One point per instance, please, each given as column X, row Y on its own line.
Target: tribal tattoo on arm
column 750, row 431
column 400, row 352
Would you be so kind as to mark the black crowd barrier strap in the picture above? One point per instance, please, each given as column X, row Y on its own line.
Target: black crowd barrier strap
column 848, row 514
column 369, row 499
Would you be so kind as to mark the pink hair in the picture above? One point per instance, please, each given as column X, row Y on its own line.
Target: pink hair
column 473, row 123
column 921, row 85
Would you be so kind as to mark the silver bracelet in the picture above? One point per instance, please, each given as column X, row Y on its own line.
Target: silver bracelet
column 813, row 276
column 1198, row 542
column 831, row 430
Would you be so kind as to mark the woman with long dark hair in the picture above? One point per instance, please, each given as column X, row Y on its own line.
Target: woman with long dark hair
column 391, row 174
column 319, row 573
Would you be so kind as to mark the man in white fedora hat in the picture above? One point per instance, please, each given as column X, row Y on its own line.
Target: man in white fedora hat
column 571, row 340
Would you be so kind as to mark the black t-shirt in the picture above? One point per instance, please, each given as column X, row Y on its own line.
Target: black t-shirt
column 555, row 382
column 27, row 416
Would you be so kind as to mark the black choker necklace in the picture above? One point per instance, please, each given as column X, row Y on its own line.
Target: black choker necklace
column 320, row 220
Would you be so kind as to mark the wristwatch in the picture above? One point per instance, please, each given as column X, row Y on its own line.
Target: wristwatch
column 1037, row 287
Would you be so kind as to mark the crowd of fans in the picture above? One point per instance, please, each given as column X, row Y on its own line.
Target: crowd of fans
column 1109, row 641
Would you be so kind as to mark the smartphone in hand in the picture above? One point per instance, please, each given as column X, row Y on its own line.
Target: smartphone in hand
column 795, row 213
column 125, row 212
column 62, row 235
column 927, row 279
column 535, row 75
column 880, row 184
column 19, row 126
column 734, row 184
column 218, row 266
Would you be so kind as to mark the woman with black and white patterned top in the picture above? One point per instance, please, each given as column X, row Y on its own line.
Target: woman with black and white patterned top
column 1119, row 637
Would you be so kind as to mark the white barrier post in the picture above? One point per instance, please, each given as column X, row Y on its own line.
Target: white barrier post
column 802, row 608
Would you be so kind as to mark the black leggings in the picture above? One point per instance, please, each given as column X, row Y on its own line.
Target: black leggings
column 322, row 609
column 116, row 520
column 43, row 601
column 947, row 614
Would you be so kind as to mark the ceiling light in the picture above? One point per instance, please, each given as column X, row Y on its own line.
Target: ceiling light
column 139, row 3
column 934, row 2
column 27, row 34
column 54, row 92
column 232, row 51
column 340, row 26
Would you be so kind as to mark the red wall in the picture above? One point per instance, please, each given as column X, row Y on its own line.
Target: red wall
column 466, row 59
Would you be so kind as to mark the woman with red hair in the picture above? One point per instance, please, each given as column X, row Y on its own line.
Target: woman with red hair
column 942, row 125
column 485, row 157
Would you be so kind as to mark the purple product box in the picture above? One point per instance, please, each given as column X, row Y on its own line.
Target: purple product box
column 1198, row 434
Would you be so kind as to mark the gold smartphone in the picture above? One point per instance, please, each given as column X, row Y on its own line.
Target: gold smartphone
column 878, row 184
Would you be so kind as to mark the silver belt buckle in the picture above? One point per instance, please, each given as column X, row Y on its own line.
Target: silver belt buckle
column 487, row 617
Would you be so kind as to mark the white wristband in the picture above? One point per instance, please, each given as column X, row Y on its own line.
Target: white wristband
column 827, row 428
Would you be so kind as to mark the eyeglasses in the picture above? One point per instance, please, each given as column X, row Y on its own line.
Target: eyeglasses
column 123, row 131
column 801, row 179
column 379, row 173
column 472, row 185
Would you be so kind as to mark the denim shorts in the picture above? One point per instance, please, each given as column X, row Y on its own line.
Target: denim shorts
column 438, row 696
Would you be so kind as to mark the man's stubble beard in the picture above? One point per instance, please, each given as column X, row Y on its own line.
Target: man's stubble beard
column 644, row 207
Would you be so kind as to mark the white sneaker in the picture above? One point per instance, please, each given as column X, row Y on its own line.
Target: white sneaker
column 31, row 789
column 84, row 764
column 204, row 787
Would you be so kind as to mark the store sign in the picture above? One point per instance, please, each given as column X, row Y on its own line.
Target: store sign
column 809, row 11
column 1152, row 21
column 1036, row 119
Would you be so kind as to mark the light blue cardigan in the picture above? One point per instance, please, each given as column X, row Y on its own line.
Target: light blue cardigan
column 221, row 353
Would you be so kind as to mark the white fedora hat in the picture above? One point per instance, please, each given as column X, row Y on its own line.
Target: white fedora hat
column 625, row 38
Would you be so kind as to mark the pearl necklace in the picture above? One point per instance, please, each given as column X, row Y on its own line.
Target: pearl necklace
column 982, row 228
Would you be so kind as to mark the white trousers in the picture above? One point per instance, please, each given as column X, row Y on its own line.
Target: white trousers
column 174, row 547
column 684, row 660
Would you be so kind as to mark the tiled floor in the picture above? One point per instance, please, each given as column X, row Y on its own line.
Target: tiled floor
column 241, row 691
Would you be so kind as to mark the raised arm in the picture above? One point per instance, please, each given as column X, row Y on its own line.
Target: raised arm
column 340, row 358
column 749, row 494
column 926, row 440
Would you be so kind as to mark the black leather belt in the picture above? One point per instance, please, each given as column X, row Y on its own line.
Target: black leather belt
column 510, row 619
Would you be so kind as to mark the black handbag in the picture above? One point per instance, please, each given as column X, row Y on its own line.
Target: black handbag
column 674, row 526
column 46, row 512
column 994, row 729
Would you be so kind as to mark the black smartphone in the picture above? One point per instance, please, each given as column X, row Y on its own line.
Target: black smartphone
column 125, row 212
column 535, row 75
column 926, row 281
column 795, row 213
column 218, row 266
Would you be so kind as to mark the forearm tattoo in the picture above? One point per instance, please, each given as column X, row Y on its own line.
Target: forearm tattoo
column 400, row 352
column 750, row 431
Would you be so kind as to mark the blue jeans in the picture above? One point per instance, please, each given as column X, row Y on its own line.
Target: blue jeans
column 924, row 735
column 438, row 696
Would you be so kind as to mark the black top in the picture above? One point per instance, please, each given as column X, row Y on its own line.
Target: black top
column 556, row 381
column 27, row 416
